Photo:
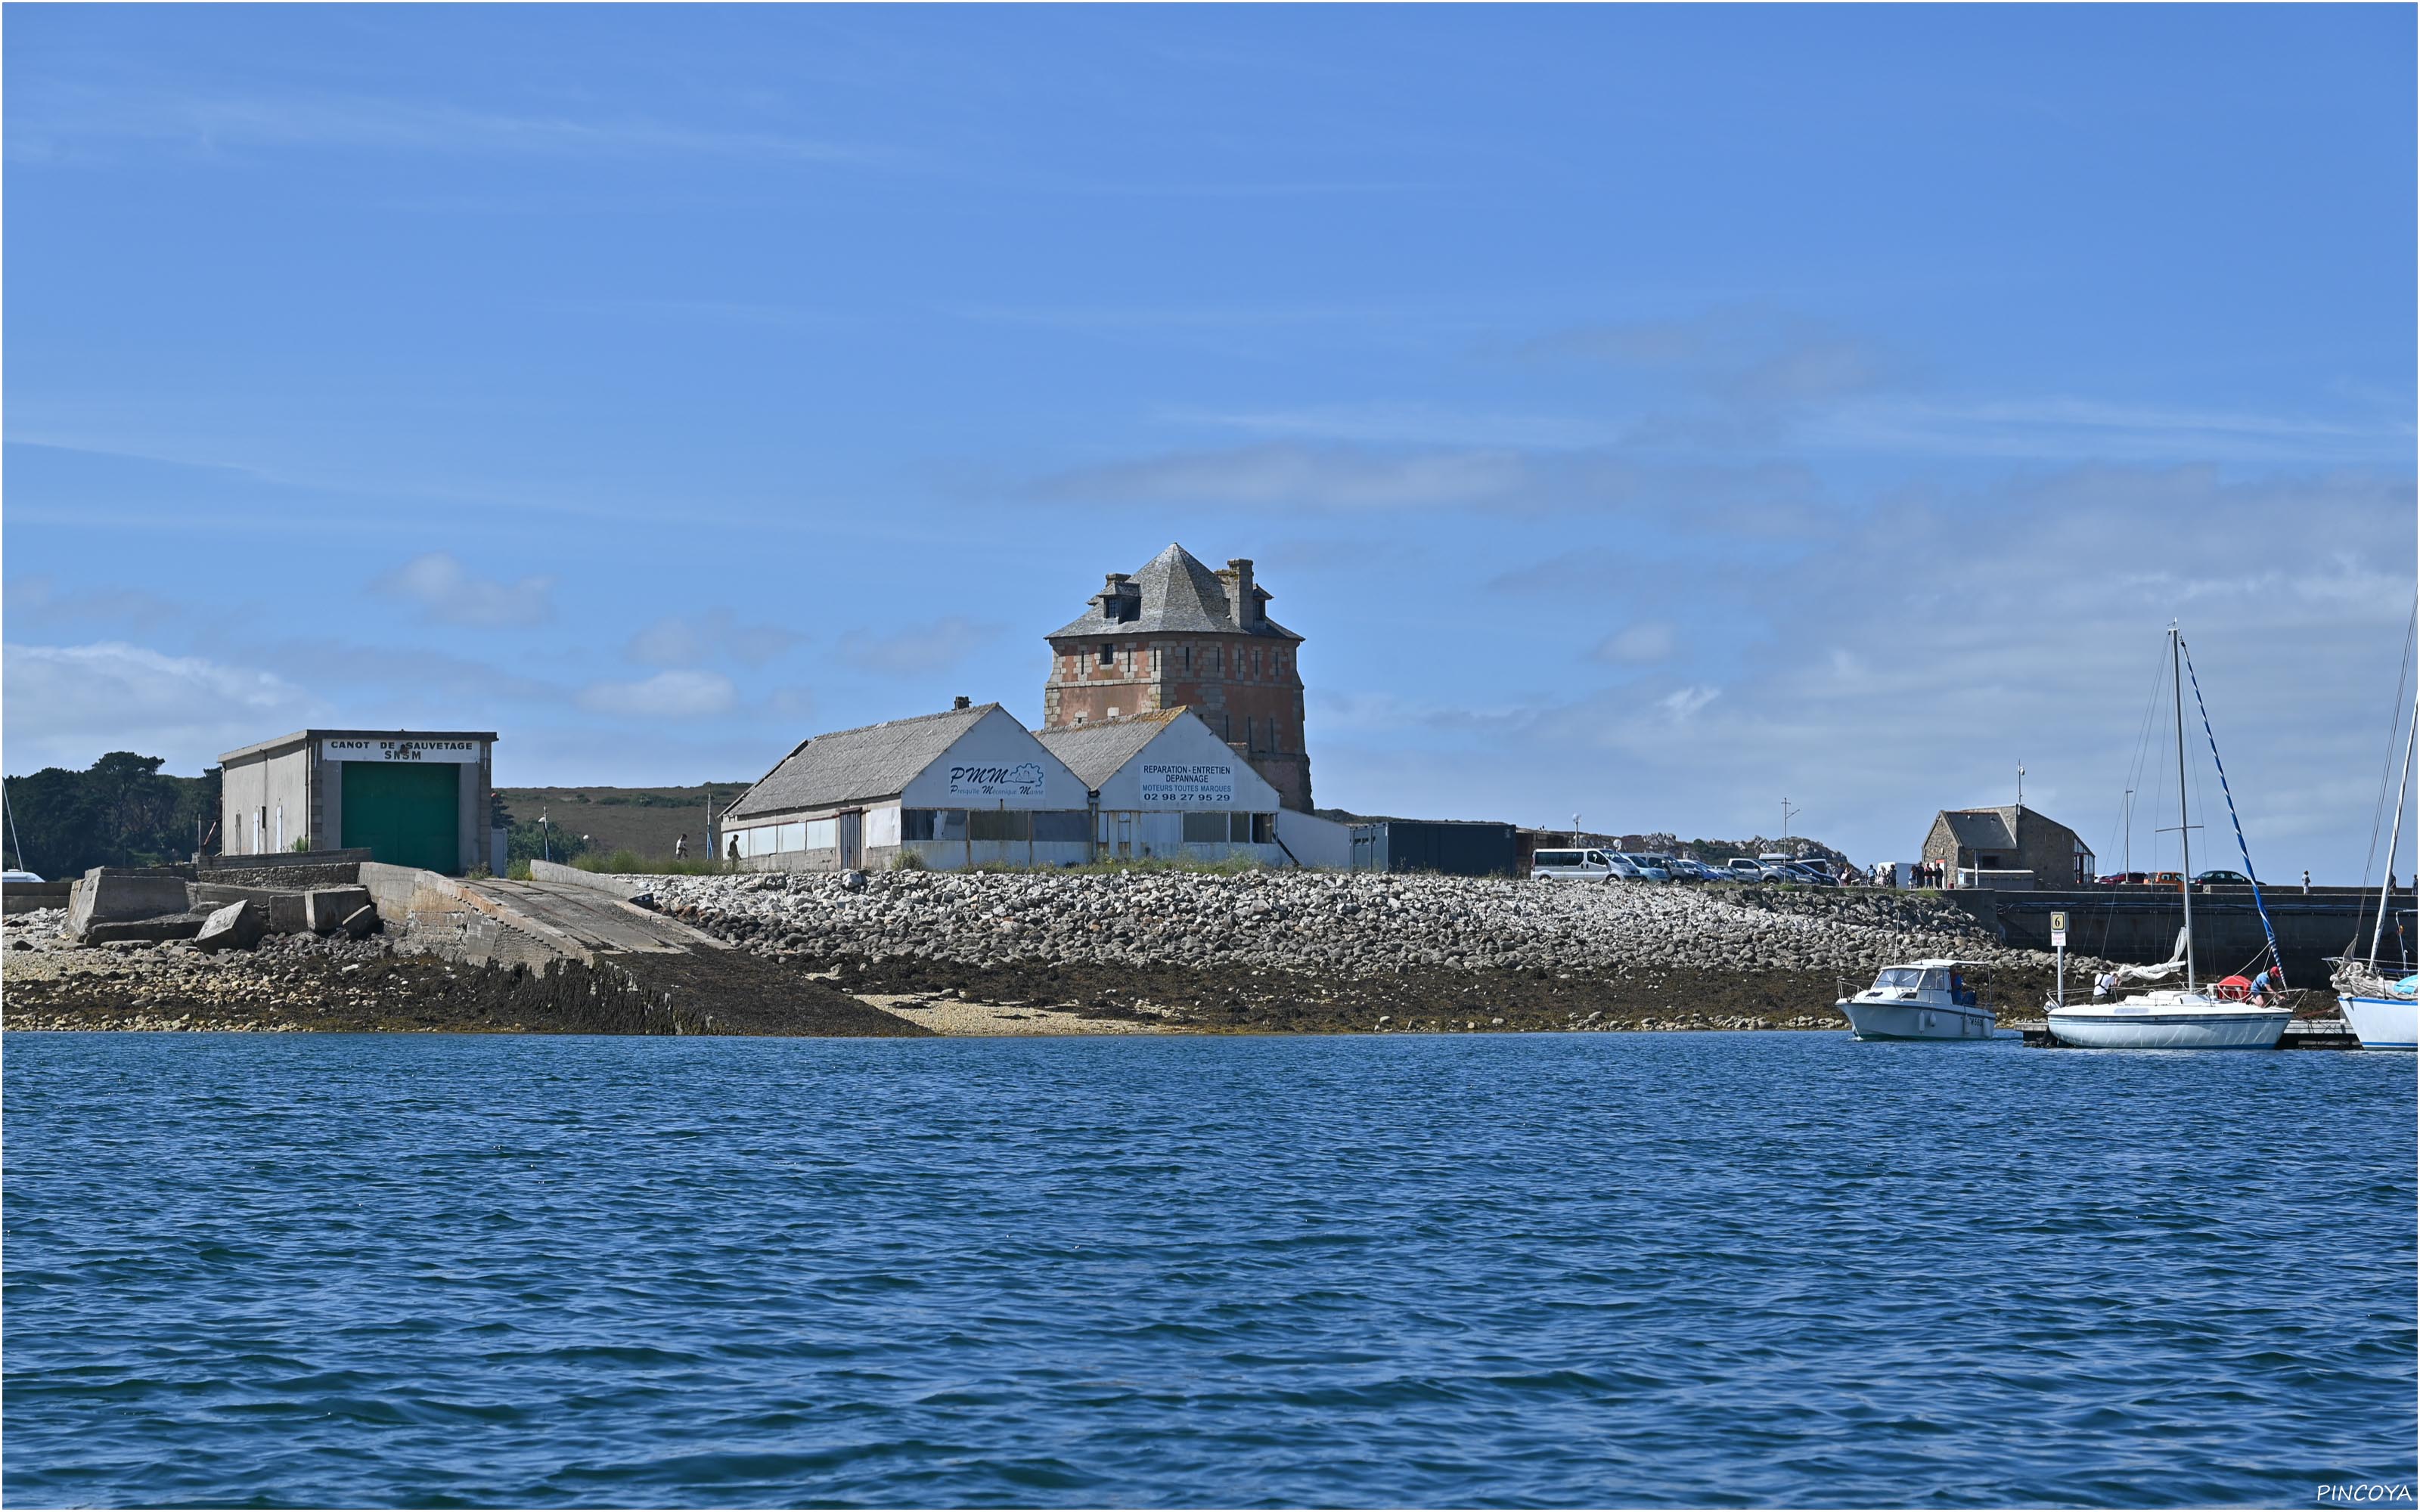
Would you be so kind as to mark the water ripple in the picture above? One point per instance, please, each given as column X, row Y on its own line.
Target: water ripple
column 1717, row 1269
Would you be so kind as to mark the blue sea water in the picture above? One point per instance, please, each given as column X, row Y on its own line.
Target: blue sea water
column 1677, row 1269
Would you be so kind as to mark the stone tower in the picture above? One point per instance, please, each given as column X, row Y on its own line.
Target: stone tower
column 1179, row 635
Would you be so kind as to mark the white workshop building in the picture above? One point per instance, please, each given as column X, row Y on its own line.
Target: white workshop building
column 1164, row 784
column 966, row 787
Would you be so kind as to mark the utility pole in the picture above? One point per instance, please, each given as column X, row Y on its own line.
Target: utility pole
column 545, row 836
column 1786, row 812
column 1576, row 829
column 2126, row 865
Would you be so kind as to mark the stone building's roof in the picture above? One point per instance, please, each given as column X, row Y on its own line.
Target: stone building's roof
column 1981, row 829
column 1995, row 829
column 1096, row 751
column 1174, row 592
column 875, row 761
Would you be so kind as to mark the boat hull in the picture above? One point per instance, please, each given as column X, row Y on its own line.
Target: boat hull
column 1915, row 1021
column 2195, row 1026
column 2382, row 1023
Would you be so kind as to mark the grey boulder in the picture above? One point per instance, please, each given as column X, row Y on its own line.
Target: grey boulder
column 236, row 927
column 325, row 909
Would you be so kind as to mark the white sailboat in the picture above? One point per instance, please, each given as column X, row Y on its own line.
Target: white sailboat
column 2174, row 1018
column 2384, row 1013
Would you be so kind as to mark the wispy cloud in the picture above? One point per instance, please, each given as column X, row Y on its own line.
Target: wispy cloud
column 1280, row 475
column 929, row 648
column 677, row 642
column 63, row 122
column 68, row 704
column 2078, row 429
column 449, row 593
column 668, row 694
column 1646, row 641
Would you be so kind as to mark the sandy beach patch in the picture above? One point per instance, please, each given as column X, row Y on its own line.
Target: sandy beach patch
column 953, row 1016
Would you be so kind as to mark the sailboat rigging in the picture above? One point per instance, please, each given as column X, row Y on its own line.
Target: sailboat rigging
column 2186, row 1018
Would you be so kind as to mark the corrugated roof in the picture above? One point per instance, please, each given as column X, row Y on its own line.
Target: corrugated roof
column 1178, row 593
column 875, row 761
column 1094, row 752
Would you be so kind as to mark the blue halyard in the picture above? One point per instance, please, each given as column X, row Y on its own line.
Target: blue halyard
column 2276, row 960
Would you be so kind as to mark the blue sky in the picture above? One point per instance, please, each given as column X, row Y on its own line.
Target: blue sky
column 1645, row 412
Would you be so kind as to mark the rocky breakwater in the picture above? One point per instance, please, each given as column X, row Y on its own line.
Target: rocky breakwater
column 1281, row 950
column 49, row 981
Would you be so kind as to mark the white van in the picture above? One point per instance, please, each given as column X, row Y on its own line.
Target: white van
column 1585, row 865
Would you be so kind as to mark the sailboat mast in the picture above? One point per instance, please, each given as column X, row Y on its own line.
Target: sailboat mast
column 2185, row 820
column 2394, row 838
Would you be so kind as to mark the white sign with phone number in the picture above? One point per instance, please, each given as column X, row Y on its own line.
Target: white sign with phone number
column 1211, row 784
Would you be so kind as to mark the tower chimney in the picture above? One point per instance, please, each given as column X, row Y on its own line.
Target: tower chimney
column 1246, row 606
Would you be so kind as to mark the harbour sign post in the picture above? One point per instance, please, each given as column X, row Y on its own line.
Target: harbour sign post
column 2058, row 945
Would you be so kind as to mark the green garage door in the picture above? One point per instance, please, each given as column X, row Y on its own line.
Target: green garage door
column 406, row 812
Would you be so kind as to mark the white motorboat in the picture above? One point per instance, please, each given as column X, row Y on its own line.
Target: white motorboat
column 2181, row 1018
column 1919, row 1000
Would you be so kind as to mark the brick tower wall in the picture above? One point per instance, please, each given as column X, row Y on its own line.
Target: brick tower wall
column 1246, row 689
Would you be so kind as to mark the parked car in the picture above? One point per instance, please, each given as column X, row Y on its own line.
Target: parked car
column 1582, row 864
column 1689, row 869
column 1748, row 868
column 1650, row 867
column 2126, row 879
column 1822, row 866
column 2221, row 879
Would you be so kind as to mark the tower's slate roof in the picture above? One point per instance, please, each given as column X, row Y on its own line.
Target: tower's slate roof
column 1175, row 593
column 875, row 761
column 1095, row 752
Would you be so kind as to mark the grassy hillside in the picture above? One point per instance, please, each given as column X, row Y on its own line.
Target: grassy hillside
column 644, row 820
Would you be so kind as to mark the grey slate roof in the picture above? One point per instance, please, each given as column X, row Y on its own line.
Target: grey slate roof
column 1095, row 752
column 876, row 761
column 1983, row 829
column 1178, row 593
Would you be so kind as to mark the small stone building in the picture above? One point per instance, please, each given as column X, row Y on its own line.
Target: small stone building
column 1177, row 635
column 2009, row 847
column 409, row 797
column 1164, row 784
column 964, row 787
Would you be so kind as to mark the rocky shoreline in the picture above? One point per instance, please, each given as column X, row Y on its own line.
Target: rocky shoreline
column 1136, row 951
column 1357, row 924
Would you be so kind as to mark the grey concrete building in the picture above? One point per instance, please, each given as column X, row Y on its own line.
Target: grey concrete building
column 2009, row 847
column 411, row 797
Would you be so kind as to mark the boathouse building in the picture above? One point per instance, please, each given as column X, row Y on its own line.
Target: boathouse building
column 409, row 797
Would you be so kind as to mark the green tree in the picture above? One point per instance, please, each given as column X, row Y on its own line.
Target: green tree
column 122, row 811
